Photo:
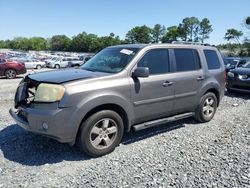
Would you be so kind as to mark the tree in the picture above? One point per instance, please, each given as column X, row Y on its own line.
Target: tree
column 248, row 20
column 172, row 34
column 205, row 29
column 234, row 35
column 60, row 43
column 158, row 32
column 38, row 43
column 189, row 28
column 139, row 34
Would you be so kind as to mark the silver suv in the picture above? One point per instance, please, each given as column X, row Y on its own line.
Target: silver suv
column 122, row 88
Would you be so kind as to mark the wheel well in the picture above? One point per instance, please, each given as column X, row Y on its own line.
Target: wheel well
column 116, row 108
column 216, row 92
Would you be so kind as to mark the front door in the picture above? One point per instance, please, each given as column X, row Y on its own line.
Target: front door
column 153, row 96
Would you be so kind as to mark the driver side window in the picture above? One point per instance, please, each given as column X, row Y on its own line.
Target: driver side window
column 156, row 60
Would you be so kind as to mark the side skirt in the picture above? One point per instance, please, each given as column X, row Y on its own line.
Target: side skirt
column 153, row 123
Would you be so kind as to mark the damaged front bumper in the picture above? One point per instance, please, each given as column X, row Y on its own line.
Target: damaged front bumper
column 51, row 123
column 43, row 118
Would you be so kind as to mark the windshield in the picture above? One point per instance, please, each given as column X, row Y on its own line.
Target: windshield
column 110, row 60
column 230, row 61
column 247, row 65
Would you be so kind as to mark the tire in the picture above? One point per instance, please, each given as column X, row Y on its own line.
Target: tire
column 207, row 107
column 10, row 73
column 38, row 67
column 101, row 133
column 57, row 66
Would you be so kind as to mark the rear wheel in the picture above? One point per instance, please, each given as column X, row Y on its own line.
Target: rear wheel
column 10, row 73
column 207, row 107
column 57, row 66
column 101, row 133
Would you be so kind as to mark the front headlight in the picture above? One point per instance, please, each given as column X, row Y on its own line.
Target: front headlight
column 243, row 76
column 230, row 74
column 49, row 93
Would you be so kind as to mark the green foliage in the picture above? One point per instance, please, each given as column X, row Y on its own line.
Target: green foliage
column 60, row 43
column 233, row 34
column 205, row 29
column 171, row 34
column 139, row 34
column 248, row 20
column 158, row 32
column 191, row 29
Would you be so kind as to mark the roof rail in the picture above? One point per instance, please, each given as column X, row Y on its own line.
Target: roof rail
column 190, row 43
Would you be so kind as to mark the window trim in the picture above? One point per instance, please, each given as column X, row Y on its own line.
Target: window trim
column 175, row 64
column 169, row 60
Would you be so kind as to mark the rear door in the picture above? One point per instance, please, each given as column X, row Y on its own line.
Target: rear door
column 153, row 96
column 188, row 79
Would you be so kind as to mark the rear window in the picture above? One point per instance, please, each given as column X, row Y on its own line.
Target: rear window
column 186, row 60
column 212, row 59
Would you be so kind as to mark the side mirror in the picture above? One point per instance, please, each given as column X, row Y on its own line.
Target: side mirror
column 141, row 72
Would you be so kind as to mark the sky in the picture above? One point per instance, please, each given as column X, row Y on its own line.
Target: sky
column 45, row 18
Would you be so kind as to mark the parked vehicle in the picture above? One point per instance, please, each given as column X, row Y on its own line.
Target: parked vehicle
column 233, row 62
column 10, row 69
column 122, row 88
column 239, row 79
column 86, row 57
column 74, row 62
column 34, row 64
column 57, row 63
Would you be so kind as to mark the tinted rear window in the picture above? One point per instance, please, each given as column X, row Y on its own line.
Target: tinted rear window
column 187, row 60
column 212, row 59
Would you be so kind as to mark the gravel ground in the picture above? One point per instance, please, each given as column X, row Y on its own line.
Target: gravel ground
column 180, row 154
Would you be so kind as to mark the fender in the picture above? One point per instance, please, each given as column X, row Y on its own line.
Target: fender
column 93, row 101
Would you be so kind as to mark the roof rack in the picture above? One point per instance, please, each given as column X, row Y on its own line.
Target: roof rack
column 190, row 43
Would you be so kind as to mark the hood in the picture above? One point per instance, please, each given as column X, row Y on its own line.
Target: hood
column 243, row 71
column 62, row 76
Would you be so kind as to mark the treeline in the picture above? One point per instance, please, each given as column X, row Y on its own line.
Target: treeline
column 83, row 42
column 190, row 29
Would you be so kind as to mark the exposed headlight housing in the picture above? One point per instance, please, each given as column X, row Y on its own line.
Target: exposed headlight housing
column 49, row 93
column 230, row 74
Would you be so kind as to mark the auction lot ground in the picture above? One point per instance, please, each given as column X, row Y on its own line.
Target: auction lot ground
column 180, row 154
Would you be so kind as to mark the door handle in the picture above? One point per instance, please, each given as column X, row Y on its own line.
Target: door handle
column 167, row 83
column 200, row 78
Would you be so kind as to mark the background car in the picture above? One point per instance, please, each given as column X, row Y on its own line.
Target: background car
column 57, row 62
column 238, row 79
column 10, row 69
column 74, row 61
column 34, row 64
column 233, row 62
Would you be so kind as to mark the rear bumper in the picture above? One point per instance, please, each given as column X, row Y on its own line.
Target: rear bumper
column 59, row 127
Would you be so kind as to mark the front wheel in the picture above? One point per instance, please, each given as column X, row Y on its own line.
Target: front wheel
column 207, row 107
column 57, row 66
column 101, row 133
